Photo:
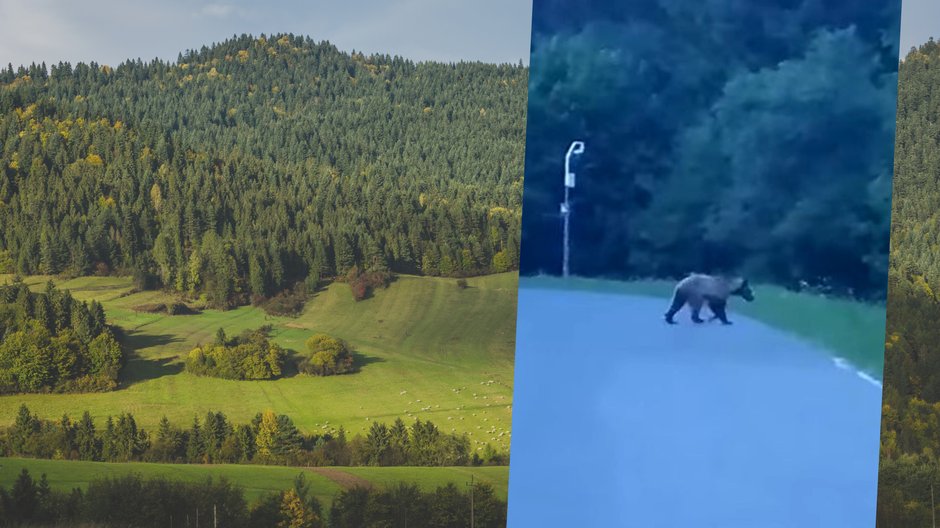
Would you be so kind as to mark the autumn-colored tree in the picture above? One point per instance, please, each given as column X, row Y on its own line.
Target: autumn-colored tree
column 267, row 435
column 295, row 512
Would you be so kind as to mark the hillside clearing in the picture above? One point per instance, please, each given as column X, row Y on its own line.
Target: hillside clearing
column 428, row 350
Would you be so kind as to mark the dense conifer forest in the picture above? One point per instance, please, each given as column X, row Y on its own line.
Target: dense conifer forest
column 254, row 164
column 131, row 500
column 732, row 137
column 910, row 437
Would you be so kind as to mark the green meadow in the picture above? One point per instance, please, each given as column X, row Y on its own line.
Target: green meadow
column 325, row 483
column 849, row 329
column 428, row 349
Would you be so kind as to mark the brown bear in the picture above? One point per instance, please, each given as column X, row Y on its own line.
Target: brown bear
column 698, row 289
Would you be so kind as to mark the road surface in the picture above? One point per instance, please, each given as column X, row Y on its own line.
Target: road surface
column 622, row 420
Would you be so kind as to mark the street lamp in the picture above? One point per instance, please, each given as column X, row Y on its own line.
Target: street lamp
column 576, row 149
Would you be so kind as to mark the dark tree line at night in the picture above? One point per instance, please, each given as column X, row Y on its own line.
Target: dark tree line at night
column 722, row 137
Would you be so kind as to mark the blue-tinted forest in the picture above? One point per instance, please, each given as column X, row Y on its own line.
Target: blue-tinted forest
column 722, row 136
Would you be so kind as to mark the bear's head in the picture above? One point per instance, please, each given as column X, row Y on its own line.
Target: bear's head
column 741, row 288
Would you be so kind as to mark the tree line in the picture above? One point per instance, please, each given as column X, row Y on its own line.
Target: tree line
column 132, row 500
column 269, row 438
column 714, row 144
column 246, row 167
column 53, row 343
column 910, row 429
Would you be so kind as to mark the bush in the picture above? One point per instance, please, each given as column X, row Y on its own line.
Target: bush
column 326, row 356
column 363, row 284
column 173, row 308
column 102, row 269
column 178, row 308
column 250, row 357
column 288, row 302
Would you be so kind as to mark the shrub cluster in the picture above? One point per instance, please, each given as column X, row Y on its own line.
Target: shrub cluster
column 173, row 308
column 250, row 356
column 363, row 283
column 286, row 303
column 326, row 356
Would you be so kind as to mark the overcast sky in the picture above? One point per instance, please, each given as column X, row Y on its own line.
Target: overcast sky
column 920, row 20
column 109, row 31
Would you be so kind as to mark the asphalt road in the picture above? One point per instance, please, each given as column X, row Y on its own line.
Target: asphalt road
column 622, row 420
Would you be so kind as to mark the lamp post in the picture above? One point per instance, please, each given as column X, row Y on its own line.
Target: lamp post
column 576, row 149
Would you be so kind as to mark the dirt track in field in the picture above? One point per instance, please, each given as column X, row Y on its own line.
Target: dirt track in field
column 344, row 479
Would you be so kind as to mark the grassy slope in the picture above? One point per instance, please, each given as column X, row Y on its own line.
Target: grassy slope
column 255, row 480
column 432, row 351
column 852, row 330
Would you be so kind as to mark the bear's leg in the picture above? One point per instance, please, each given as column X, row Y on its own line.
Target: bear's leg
column 678, row 301
column 718, row 308
column 696, row 305
column 711, row 301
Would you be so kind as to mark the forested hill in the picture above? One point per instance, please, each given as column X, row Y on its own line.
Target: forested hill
column 915, row 224
column 912, row 362
column 258, row 162
column 910, row 438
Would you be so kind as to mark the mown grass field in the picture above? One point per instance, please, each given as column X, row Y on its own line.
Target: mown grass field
column 256, row 480
column 429, row 350
column 852, row 330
